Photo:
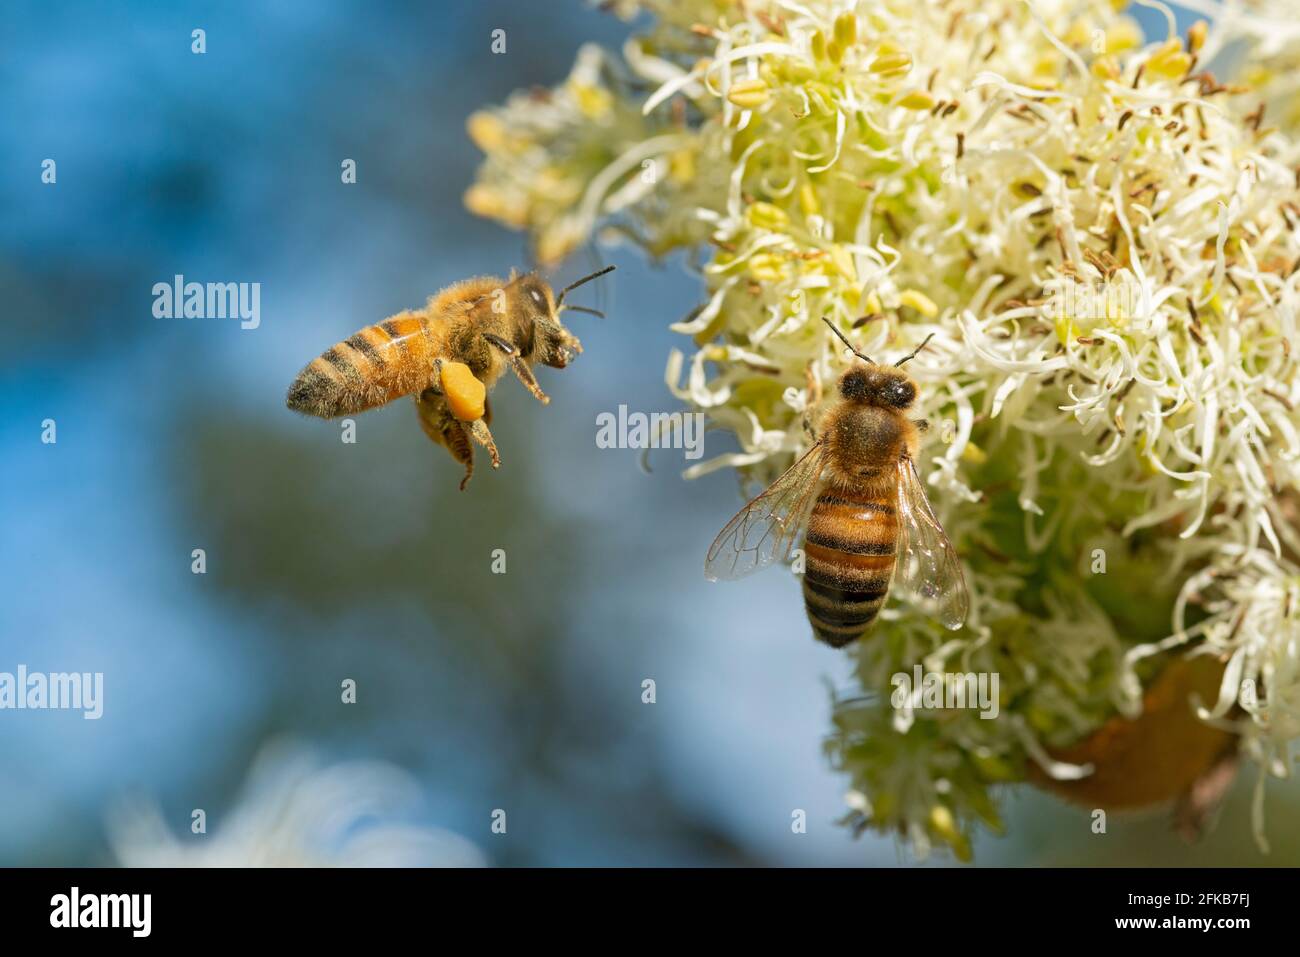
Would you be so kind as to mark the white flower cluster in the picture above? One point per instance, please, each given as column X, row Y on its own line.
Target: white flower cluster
column 1103, row 242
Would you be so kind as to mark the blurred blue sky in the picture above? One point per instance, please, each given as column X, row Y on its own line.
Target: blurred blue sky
column 522, row 691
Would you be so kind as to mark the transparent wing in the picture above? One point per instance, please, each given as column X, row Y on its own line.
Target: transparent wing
column 765, row 530
column 928, row 574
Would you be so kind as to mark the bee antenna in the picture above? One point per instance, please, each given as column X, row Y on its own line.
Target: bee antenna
column 594, row 312
column 842, row 339
column 585, row 279
column 912, row 354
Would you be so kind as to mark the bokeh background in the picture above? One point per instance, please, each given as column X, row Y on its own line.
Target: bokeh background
column 328, row 561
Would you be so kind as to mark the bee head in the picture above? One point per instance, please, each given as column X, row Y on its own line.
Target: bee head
column 539, row 335
column 878, row 385
column 543, row 337
column 874, row 384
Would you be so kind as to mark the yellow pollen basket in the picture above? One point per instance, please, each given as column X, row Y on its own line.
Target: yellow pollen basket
column 465, row 394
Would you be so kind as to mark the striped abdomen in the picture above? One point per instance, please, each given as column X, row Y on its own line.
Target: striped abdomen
column 380, row 363
column 849, row 547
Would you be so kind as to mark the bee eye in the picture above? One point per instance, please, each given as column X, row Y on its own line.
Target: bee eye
column 903, row 394
column 537, row 297
column 855, row 385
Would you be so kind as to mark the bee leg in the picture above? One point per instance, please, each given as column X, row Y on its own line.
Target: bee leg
column 814, row 386
column 478, row 431
column 469, row 464
column 525, row 375
column 808, row 429
column 444, row 429
column 435, row 380
column 522, row 372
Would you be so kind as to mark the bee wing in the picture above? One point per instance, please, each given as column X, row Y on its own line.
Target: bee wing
column 765, row 530
column 928, row 573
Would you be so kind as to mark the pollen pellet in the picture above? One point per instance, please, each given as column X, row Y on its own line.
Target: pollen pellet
column 465, row 394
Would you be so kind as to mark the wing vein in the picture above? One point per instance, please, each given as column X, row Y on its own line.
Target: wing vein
column 765, row 530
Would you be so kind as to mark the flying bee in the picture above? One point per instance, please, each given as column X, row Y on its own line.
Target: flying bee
column 868, row 521
column 447, row 356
